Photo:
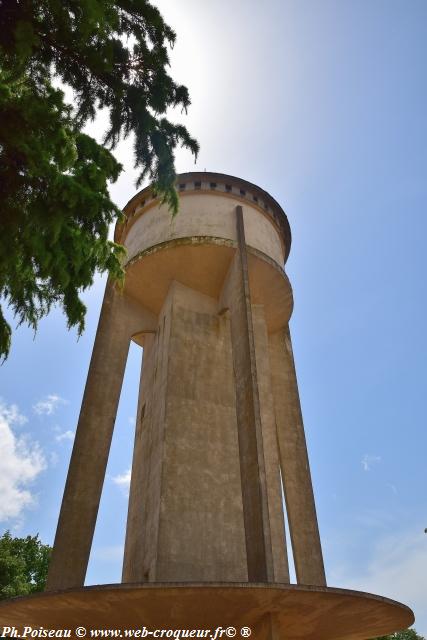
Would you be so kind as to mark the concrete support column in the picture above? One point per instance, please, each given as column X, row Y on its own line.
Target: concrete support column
column 119, row 320
column 236, row 296
column 271, row 449
column 133, row 560
column 297, row 485
column 145, row 494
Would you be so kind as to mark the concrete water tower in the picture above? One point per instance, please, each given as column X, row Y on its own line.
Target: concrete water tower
column 218, row 430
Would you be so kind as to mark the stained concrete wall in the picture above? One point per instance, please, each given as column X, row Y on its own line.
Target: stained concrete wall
column 189, row 495
column 204, row 214
column 208, row 504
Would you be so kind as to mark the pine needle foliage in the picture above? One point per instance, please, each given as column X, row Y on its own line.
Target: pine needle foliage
column 55, row 208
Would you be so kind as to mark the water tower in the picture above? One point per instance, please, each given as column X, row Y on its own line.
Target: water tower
column 219, row 438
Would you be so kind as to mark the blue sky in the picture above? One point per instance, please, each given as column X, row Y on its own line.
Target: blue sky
column 324, row 105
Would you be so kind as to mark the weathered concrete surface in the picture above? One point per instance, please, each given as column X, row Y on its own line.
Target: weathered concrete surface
column 236, row 297
column 203, row 503
column 283, row 611
column 297, row 485
column 208, row 211
column 270, row 446
column 120, row 319
column 270, row 287
column 207, row 214
column 202, row 263
column 141, row 547
column 185, row 515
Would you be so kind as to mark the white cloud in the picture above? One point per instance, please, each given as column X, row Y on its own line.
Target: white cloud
column 65, row 435
column 48, row 405
column 123, row 480
column 368, row 460
column 397, row 570
column 21, row 461
column 11, row 414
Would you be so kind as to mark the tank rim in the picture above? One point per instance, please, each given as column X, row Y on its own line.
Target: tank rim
column 211, row 176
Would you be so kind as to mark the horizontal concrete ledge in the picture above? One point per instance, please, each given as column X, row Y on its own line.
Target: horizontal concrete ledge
column 202, row 263
column 182, row 242
column 197, row 241
column 293, row 612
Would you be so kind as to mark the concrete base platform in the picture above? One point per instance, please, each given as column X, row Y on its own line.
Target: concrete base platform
column 291, row 612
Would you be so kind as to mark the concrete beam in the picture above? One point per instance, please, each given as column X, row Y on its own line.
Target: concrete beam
column 270, row 445
column 120, row 319
column 294, row 463
column 133, row 559
column 236, row 297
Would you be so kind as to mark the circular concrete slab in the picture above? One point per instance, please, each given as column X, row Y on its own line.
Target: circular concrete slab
column 287, row 611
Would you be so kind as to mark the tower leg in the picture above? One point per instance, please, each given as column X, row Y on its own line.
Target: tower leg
column 118, row 321
column 294, row 463
column 271, row 450
column 236, row 296
column 133, row 567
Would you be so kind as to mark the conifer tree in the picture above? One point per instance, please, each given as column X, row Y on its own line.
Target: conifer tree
column 54, row 201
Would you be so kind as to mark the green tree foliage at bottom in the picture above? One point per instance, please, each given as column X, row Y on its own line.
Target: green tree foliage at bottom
column 23, row 565
column 407, row 634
